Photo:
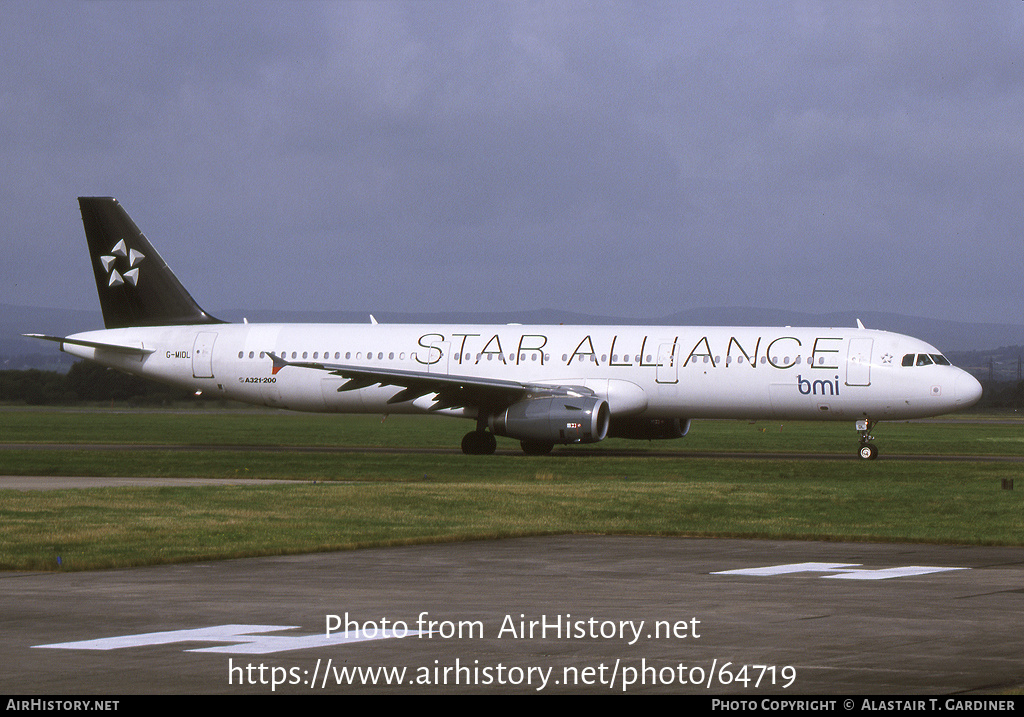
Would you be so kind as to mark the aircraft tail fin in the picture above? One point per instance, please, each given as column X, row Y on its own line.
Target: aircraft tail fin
column 135, row 285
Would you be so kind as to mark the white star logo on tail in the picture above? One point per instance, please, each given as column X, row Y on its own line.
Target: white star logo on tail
column 134, row 258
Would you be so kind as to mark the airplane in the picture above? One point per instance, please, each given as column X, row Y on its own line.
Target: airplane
column 541, row 385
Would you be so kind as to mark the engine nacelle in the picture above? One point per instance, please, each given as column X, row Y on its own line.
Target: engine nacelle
column 649, row 429
column 554, row 419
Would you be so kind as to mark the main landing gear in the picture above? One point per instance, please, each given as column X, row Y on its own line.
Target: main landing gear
column 868, row 450
column 479, row 443
column 536, row 448
column 483, row 443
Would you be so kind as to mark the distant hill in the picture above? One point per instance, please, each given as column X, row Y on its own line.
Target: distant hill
column 1005, row 363
column 17, row 352
column 952, row 337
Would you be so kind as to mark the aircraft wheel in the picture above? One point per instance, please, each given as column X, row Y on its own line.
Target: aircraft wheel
column 479, row 443
column 869, row 451
column 536, row 448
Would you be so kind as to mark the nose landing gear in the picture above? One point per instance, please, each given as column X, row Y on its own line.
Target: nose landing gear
column 868, row 450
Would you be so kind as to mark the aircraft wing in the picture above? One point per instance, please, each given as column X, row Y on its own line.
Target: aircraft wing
column 452, row 391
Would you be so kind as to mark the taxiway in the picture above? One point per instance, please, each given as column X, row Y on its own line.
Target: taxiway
column 671, row 615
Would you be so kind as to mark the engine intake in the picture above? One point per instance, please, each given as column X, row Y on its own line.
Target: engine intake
column 554, row 419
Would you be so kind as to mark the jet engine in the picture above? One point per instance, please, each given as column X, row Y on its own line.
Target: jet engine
column 650, row 429
column 554, row 419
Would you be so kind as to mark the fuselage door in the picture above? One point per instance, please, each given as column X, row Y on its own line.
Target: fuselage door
column 666, row 369
column 438, row 355
column 202, row 355
column 858, row 362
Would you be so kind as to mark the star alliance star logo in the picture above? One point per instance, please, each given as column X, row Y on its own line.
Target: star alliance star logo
column 134, row 259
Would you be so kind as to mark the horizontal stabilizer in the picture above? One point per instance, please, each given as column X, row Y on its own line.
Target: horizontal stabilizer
column 134, row 350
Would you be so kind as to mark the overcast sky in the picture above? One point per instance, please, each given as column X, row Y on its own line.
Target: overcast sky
column 625, row 159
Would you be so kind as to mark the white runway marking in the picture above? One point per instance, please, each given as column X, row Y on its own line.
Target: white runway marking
column 847, row 571
column 241, row 637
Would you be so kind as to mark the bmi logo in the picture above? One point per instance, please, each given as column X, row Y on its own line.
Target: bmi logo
column 134, row 259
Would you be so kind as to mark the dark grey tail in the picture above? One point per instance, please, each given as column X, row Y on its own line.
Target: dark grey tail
column 135, row 285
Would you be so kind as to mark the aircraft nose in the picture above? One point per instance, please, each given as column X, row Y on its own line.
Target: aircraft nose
column 967, row 390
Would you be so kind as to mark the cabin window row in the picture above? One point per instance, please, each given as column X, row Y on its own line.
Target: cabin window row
column 326, row 355
column 391, row 356
column 908, row 360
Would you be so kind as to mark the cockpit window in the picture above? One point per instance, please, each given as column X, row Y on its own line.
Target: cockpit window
column 925, row 360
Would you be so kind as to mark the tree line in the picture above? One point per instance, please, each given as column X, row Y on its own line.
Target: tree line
column 85, row 382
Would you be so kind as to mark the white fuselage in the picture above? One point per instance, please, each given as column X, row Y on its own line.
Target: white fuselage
column 646, row 372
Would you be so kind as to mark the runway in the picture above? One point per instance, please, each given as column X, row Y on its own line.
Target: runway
column 561, row 614
column 558, row 454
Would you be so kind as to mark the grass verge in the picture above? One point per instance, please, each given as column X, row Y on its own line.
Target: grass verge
column 388, row 500
column 364, row 498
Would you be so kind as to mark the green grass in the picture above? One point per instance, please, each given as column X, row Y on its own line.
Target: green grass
column 364, row 498
column 257, row 428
